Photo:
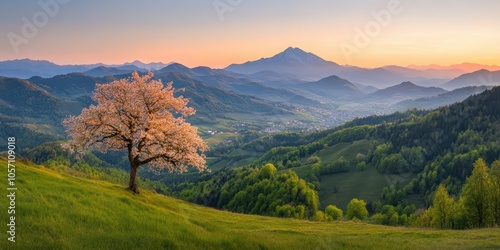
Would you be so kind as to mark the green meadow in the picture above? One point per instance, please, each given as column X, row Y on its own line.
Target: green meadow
column 55, row 210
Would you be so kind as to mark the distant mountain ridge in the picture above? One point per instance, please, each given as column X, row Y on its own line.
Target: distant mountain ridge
column 293, row 65
column 310, row 67
column 26, row 68
column 440, row 100
column 102, row 71
column 464, row 67
column 477, row 78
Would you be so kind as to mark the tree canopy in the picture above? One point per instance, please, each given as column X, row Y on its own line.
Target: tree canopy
column 142, row 116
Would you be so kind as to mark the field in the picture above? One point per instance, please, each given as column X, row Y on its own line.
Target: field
column 340, row 188
column 347, row 150
column 58, row 211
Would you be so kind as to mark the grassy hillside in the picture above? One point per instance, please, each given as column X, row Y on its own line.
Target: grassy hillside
column 58, row 211
column 340, row 188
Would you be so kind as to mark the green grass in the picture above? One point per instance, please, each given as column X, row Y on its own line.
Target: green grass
column 213, row 140
column 365, row 185
column 58, row 211
column 345, row 149
column 340, row 188
column 236, row 158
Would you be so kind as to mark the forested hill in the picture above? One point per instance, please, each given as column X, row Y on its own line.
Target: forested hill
column 451, row 139
column 419, row 150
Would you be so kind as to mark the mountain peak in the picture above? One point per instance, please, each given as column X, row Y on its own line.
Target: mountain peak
column 408, row 84
column 175, row 67
column 297, row 56
column 294, row 50
column 293, row 61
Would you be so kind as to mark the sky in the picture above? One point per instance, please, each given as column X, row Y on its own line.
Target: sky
column 216, row 33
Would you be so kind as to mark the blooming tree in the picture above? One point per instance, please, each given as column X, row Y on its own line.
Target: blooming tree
column 141, row 115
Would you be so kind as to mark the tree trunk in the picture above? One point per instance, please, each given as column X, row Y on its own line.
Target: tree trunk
column 134, row 166
column 133, row 178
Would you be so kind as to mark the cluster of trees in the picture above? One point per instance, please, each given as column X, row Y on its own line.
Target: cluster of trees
column 393, row 215
column 478, row 205
column 337, row 166
column 28, row 138
column 405, row 160
column 254, row 190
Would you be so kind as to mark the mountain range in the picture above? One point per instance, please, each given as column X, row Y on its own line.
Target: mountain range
column 290, row 82
column 26, row 68
column 306, row 66
column 463, row 67
column 290, row 66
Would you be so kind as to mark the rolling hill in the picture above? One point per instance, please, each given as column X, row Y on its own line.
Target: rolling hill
column 70, row 85
column 332, row 87
column 207, row 100
column 403, row 91
column 57, row 211
column 22, row 98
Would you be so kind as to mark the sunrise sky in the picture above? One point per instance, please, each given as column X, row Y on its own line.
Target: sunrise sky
column 197, row 33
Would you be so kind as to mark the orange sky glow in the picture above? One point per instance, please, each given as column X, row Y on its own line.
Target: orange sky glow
column 361, row 33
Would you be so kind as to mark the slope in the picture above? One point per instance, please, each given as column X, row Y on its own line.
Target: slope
column 58, row 211
column 23, row 98
column 70, row 85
